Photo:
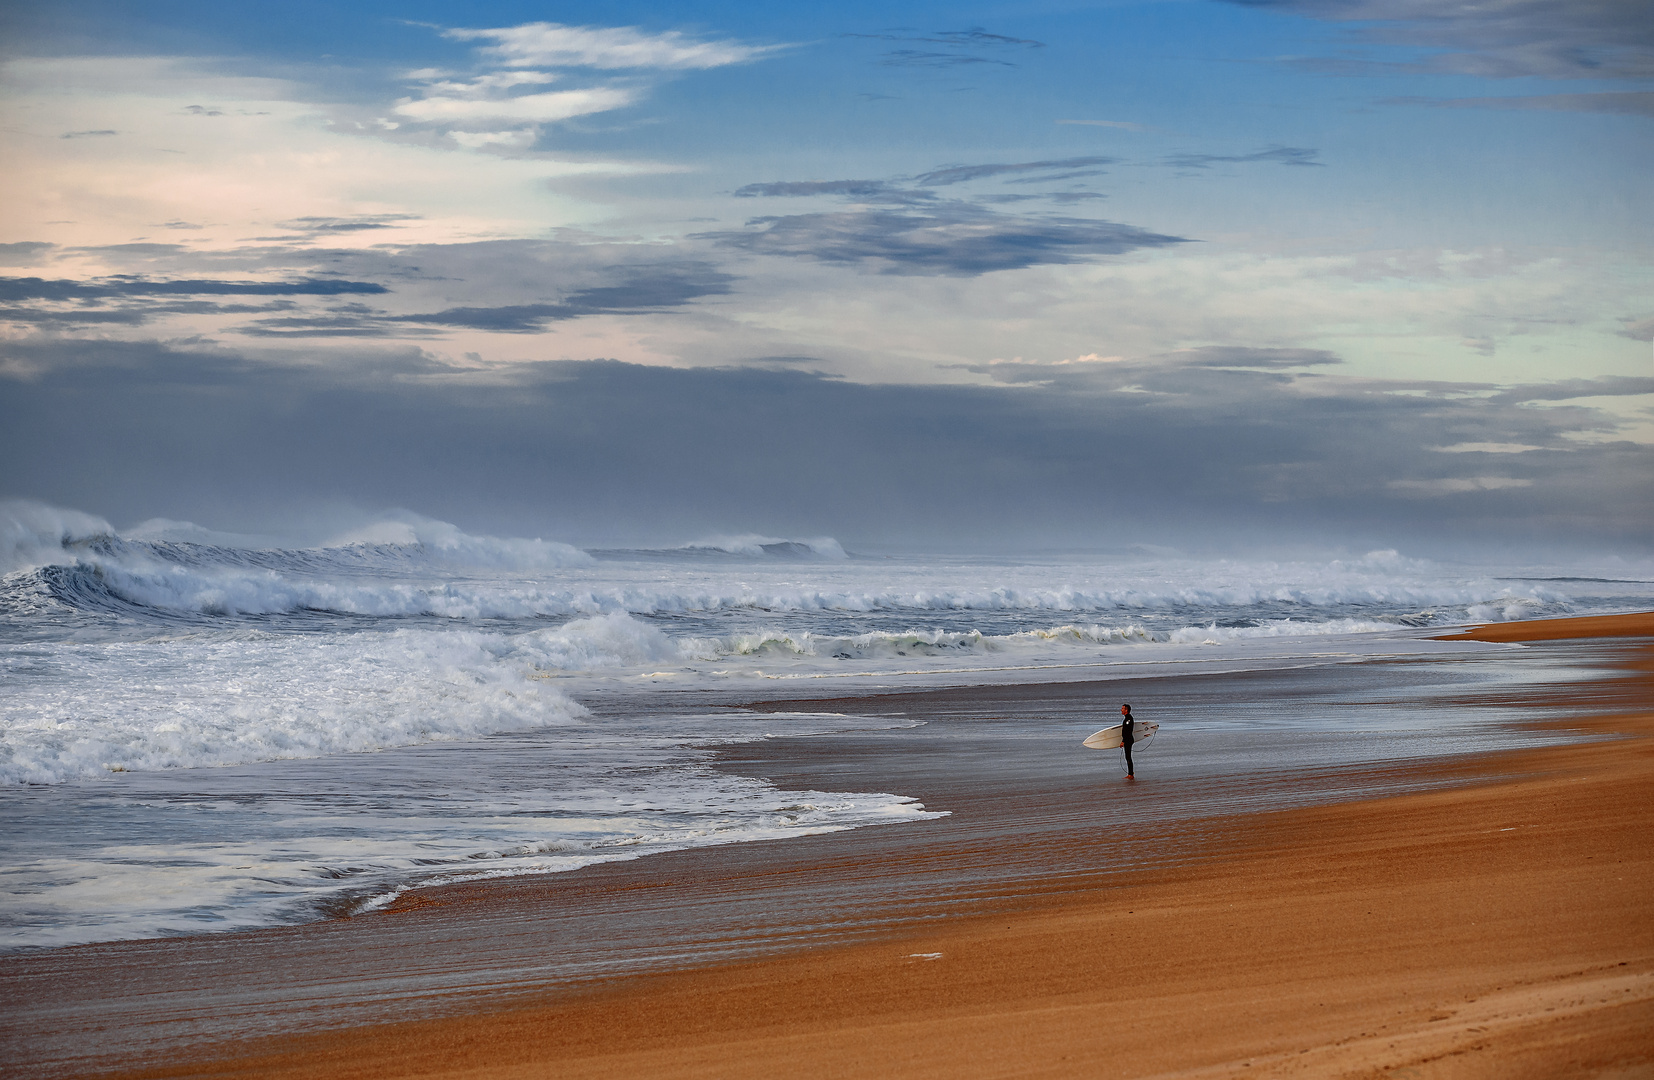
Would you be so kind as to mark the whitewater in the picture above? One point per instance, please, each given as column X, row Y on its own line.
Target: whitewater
column 203, row 732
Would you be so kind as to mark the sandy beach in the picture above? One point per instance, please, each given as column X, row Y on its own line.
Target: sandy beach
column 1496, row 923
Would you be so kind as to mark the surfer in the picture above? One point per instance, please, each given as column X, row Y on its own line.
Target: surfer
column 1127, row 724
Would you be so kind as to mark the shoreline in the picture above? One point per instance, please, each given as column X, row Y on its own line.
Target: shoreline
column 1352, row 904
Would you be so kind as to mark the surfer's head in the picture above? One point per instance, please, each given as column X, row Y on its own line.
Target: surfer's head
column 1125, row 710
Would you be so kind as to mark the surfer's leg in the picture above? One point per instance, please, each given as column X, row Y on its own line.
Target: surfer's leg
column 1129, row 770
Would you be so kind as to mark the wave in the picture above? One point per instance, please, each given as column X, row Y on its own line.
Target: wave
column 932, row 643
column 153, row 577
column 741, row 546
column 407, row 566
column 91, row 708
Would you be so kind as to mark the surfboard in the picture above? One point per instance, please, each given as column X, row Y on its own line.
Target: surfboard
column 1109, row 737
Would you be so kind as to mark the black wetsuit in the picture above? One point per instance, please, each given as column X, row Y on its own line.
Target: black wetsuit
column 1126, row 729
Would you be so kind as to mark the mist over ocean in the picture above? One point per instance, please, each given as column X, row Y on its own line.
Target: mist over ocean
column 200, row 733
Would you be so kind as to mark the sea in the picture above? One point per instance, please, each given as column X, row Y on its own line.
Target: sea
column 203, row 733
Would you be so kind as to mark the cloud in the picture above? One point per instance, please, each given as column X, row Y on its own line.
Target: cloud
column 956, row 239
column 1280, row 155
column 1558, row 39
column 1574, row 389
column 131, row 301
column 1153, row 447
column 643, row 290
column 607, row 48
column 128, row 314
column 87, row 134
column 315, row 224
column 1049, row 196
column 1623, row 102
column 897, row 192
column 1236, row 356
column 1456, row 485
column 869, row 190
column 532, row 108
column 1124, row 125
column 1637, row 329
column 33, row 288
column 921, row 58
column 958, row 174
column 470, row 110
column 965, row 48
column 25, row 252
column 642, row 294
column 976, row 37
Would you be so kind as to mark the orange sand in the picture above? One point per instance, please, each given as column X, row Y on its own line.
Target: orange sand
column 1640, row 624
column 1501, row 930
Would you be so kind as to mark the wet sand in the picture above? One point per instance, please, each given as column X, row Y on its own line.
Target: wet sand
column 1500, row 929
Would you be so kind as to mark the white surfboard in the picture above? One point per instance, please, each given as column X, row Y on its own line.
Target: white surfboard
column 1109, row 737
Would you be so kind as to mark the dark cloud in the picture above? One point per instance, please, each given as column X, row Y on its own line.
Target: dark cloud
column 976, row 37
column 1049, row 196
column 1204, row 445
column 1572, row 389
column 896, row 192
column 1079, row 174
column 87, row 134
column 870, row 190
column 142, row 250
column 646, row 290
column 350, row 224
column 133, row 301
column 958, row 48
column 980, row 38
column 1637, row 329
column 32, row 288
column 955, row 239
column 1559, row 39
column 125, row 314
column 1625, row 102
column 24, row 252
column 958, row 174
column 1280, row 155
column 920, row 58
column 334, row 324
column 1236, row 356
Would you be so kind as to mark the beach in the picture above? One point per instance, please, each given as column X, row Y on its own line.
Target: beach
column 1489, row 915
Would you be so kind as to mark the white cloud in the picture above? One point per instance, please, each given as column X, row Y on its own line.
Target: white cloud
column 516, row 139
column 531, row 108
column 1455, row 485
column 610, row 48
column 1124, row 125
column 264, row 154
column 1486, row 448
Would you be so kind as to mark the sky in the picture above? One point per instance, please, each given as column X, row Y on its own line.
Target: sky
column 1192, row 273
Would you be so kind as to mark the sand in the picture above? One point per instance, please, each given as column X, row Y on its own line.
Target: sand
column 1636, row 624
column 1502, row 929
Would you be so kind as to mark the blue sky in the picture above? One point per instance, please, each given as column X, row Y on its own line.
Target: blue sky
column 1385, row 263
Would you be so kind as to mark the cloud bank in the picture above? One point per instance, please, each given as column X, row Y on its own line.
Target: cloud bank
column 1186, row 449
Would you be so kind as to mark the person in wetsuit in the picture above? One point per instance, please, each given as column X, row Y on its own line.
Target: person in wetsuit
column 1127, row 732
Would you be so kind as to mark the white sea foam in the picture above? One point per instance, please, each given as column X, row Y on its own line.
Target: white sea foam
column 33, row 534
column 453, row 547
column 757, row 546
column 82, row 709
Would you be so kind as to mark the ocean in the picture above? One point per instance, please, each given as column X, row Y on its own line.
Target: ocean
column 203, row 733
